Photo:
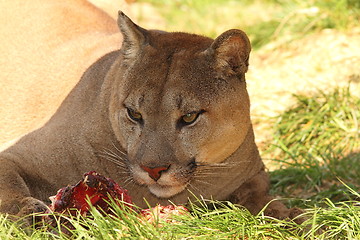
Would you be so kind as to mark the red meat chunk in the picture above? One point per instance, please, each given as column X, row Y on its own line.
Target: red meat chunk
column 93, row 188
column 97, row 190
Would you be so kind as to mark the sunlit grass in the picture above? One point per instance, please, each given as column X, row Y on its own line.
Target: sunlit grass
column 262, row 20
column 210, row 220
column 319, row 124
column 317, row 145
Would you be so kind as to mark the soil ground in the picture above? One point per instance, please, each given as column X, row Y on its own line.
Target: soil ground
column 320, row 61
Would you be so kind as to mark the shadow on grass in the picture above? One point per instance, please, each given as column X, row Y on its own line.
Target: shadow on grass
column 308, row 184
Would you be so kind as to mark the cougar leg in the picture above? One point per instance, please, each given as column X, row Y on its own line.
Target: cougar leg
column 254, row 195
column 15, row 197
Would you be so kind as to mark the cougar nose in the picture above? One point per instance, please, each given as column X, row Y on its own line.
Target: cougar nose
column 155, row 173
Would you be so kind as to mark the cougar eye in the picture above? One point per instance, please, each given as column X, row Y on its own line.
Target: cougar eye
column 134, row 115
column 190, row 118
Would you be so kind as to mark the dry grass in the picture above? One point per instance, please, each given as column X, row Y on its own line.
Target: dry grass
column 320, row 61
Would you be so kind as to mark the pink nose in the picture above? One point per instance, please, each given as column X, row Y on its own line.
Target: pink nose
column 155, row 173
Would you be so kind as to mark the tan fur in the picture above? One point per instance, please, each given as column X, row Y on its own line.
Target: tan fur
column 45, row 46
column 125, row 116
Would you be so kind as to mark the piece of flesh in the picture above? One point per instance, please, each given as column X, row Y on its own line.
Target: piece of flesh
column 93, row 190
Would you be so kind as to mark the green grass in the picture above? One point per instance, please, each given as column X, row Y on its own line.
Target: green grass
column 262, row 20
column 226, row 221
column 319, row 123
column 316, row 144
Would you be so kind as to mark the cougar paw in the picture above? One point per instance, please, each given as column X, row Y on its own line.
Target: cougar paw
column 31, row 205
column 278, row 210
column 294, row 214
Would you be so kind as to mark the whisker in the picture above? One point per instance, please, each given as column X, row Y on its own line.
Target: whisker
column 118, row 150
column 196, row 189
column 226, row 165
column 205, row 175
column 114, row 160
column 202, row 181
column 111, row 153
column 206, row 172
column 128, row 181
column 117, row 157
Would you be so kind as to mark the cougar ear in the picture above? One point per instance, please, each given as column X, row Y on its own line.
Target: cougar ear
column 134, row 36
column 231, row 51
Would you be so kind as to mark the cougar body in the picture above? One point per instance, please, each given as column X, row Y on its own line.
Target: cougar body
column 166, row 116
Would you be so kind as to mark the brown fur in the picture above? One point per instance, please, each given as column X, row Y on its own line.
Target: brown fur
column 162, row 76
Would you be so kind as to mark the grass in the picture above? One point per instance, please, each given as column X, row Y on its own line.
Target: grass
column 227, row 221
column 323, row 122
column 262, row 20
column 316, row 143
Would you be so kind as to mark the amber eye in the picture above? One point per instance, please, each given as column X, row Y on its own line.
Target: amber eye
column 134, row 115
column 190, row 118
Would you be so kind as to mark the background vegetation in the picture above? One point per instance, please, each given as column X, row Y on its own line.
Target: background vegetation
column 262, row 20
column 313, row 144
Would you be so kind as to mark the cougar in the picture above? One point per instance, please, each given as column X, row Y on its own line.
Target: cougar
column 166, row 116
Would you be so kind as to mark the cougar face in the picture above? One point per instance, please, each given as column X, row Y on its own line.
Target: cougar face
column 178, row 102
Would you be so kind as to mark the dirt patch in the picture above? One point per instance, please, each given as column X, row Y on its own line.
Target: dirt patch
column 142, row 13
column 320, row 61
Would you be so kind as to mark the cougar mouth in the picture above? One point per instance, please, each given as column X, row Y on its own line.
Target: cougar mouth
column 168, row 184
column 166, row 191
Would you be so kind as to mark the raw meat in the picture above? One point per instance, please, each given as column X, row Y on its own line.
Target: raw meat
column 94, row 189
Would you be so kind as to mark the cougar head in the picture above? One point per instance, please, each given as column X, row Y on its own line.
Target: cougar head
column 178, row 102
